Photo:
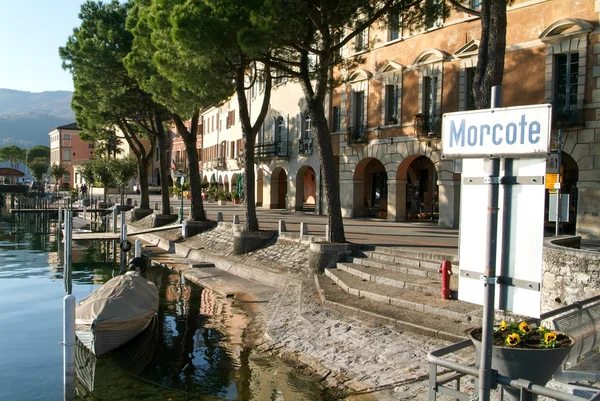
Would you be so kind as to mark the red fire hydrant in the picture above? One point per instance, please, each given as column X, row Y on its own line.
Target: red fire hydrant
column 446, row 271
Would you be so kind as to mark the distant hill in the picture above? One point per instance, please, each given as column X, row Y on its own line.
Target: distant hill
column 27, row 117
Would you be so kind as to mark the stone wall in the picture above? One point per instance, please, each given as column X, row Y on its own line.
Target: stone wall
column 569, row 274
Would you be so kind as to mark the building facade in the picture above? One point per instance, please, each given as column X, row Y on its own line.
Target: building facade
column 387, row 115
column 68, row 149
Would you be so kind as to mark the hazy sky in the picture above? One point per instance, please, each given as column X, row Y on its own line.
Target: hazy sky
column 31, row 31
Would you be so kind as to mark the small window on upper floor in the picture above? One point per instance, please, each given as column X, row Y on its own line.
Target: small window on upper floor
column 433, row 14
column 394, row 27
column 361, row 41
column 67, row 137
column 391, row 104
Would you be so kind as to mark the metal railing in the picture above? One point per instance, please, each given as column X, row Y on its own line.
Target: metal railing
column 458, row 370
column 357, row 134
column 568, row 116
column 305, row 146
column 272, row 149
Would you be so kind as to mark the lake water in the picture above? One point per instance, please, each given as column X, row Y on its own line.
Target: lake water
column 194, row 352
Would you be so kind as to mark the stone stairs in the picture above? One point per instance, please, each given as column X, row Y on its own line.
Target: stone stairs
column 399, row 287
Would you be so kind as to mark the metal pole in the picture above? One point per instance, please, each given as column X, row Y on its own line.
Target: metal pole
column 84, row 211
column 558, row 162
column 69, row 347
column 489, row 279
column 115, row 214
column 123, row 239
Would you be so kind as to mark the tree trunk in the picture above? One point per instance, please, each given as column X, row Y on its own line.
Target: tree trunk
column 197, row 212
column 328, row 168
column 492, row 47
column 189, row 139
column 144, row 195
column 163, row 146
column 249, row 179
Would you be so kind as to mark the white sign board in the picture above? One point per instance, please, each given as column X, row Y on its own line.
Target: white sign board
column 564, row 208
column 511, row 131
column 525, row 235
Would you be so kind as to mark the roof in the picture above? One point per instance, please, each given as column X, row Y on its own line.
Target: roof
column 10, row 172
column 72, row 126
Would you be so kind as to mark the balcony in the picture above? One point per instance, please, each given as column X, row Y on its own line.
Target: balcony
column 272, row 149
column 305, row 146
column 179, row 165
column 568, row 116
column 241, row 159
column 220, row 163
column 427, row 126
column 356, row 134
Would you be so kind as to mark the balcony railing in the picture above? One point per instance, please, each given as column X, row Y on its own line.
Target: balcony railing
column 179, row 165
column 220, row 163
column 568, row 116
column 306, row 146
column 272, row 149
column 357, row 134
column 428, row 126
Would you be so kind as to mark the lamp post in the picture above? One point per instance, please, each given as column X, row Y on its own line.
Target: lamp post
column 181, row 181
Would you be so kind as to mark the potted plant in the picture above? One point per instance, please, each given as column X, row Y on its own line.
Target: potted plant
column 522, row 351
column 235, row 197
column 221, row 198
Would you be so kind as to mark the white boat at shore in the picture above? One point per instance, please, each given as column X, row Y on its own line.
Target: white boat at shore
column 115, row 313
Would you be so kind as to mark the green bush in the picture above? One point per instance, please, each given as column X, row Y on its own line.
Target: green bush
column 235, row 195
column 65, row 186
column 74, row 193
column 221, row 195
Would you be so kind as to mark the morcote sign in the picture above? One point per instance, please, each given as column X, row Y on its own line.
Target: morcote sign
column 510, row 131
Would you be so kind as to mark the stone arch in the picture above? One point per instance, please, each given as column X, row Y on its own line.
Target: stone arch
column 417, row 195
column 278, row 188
column 370, row 189
column 359, row 75
column 306, row 189
column 226, row 183
column 205, row 179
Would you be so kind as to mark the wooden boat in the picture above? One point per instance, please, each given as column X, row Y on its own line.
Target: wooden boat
column 115, row 313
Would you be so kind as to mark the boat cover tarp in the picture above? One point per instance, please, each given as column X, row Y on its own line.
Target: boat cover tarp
column 126, row 302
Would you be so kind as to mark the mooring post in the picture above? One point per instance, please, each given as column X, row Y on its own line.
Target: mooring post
column 138, row 248
column 282, row 227
column 69, row 345
column 219, row 216
column 115, row 216
column 183, row 229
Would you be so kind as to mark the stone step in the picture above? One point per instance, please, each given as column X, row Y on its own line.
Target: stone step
column 412, row 253
column 402, row 260
column 391, row 315
column 413, row 300
column 405, row 266
column 393, row 278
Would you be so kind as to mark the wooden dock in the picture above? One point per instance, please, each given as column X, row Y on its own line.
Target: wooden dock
column 115, row 236
column 55, row 210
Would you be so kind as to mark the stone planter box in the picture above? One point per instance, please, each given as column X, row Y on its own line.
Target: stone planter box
column 159, row 220
column 196, row 227
column 323, row 255
column 139, row 213
column 222, row 202
column 248, row 241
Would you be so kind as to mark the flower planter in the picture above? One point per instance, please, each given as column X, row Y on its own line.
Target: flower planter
column 534, row 364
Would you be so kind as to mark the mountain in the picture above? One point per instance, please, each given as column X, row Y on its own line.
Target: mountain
column 27, row 117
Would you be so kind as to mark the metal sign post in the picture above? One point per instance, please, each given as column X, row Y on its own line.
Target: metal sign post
column 520, row 137
column 557, row 185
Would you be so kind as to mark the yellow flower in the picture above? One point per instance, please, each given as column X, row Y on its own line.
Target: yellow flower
column 513, row 340
column 503, row 326
column 524, row 327
column 549, row 337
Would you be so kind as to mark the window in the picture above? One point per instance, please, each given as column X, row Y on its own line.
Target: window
column 306, row 139
column 157, row 154
column 430, row 107
column 433, row 14
column 469, row 98
column 391, row 104
column 361, row 41
column 91, row 145
column 394, row 26
column 232, row 150
column 566, row 67
column 67, row 155
column 67, row 176
column 359, row 108
column 67, row 137
column 337, row 118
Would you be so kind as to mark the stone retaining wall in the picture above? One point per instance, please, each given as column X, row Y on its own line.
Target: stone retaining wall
column 569, row 274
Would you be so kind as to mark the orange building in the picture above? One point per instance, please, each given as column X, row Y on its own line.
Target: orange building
column 68, row 149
